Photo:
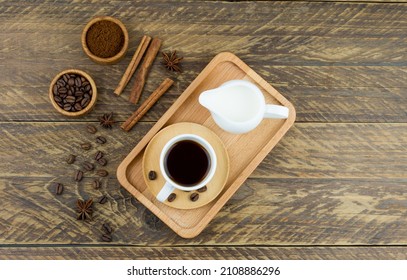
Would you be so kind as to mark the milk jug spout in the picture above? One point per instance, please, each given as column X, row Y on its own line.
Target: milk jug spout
column 208, row 99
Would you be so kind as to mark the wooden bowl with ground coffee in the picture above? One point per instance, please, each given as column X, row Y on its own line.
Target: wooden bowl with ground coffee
column 73, row 93
column 105, row 40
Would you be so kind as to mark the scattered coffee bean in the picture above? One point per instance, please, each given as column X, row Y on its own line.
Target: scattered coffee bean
column 86, row 146
column 203, row 189
column 171, row 197
column 106, row 228
column 100, row 140
column 59, row 188
column 69, row 91
column 96, row 184
column 78, row 175
column 71, row 159
column 91, row 129
column 103, row 199
column 88, row 166
column 98, row 155
column 102, row 173
column 106, row 237
column 194, row 196
column 152, row 175
column 102, row 161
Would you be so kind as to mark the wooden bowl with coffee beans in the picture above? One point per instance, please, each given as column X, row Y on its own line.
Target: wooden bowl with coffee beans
column 105, row 40
column 73, row 93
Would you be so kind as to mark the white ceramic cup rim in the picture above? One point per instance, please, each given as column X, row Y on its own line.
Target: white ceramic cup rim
column 205, row 144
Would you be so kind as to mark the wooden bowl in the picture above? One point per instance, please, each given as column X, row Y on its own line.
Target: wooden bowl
column 84, row 110
column 107, row 60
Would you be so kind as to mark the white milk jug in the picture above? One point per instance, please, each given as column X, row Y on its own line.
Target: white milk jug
column 238, row 106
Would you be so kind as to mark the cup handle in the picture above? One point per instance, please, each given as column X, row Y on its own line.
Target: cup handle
column 165, row 192
column 275, row 112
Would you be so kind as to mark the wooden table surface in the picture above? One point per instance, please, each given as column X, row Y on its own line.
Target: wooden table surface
column 335, row 187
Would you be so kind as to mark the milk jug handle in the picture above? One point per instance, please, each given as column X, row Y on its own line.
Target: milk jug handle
column 165, row 192
column 275, row 112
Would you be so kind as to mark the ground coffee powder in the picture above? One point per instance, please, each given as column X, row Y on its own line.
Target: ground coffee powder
column 105, row 39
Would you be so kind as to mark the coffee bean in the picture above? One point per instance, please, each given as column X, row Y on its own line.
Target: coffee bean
column 87, row 87
column 91, row 129
column 102, row 161
column 107, row 228
column 59, row 188
column 98, row 155
column 171, row 197
column 60, row 83
column 96, row 184
column 71, row 159
column 62, row 90
column 78, row 175
column 78, row 81
column 70, row 99
column 194, row 197
column 65, row 77
column 101, row 140
column 84, row 102
column 71, row 81
column 67, row 107
column 88, row 166
column 106, row 238
column 103, row 199
column 86, row 146
column 152, row 175
column 203, row 189
column 78, row 106
column 78, row 93
column 102, row 173
column 55, row 89
column 57, row 98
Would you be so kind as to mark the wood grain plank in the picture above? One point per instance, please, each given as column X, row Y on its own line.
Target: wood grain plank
column 339, row 62
column 308, row 150
column 204, row 253
column 285, row 211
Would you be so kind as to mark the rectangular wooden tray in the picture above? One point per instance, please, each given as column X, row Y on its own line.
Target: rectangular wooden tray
column 246, row 151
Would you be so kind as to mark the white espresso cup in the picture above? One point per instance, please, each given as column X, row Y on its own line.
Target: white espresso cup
column 182, row 164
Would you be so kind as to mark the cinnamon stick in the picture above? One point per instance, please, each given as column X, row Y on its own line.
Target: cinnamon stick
column 144, row 69
column 151, row 100
column 141, row 49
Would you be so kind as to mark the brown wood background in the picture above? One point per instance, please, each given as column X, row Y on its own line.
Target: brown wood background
column 335, row 187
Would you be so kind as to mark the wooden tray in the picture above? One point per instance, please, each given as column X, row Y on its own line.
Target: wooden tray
column 246, row 151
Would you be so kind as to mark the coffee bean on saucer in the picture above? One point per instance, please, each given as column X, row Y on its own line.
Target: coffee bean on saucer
column 59, row 188
column 194, row 196
column 102, row 161
column 203, row 189
column 96, row 184
column 100, row 140
column 98, row 155
column 172, row 197
column 71, row 159
column 78, row 176
column 86, row 146
column 88, row 166
column 102, row 173
column 152, row 175
column 91, row 129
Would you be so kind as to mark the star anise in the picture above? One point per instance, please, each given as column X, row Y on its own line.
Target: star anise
column 84, row 209
column 107, row 120
column 171, row 61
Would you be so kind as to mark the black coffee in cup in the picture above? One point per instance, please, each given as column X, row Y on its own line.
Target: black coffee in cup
column 187, row 163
